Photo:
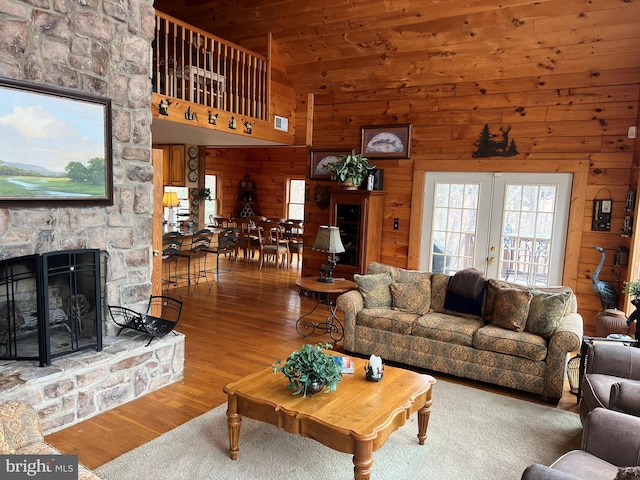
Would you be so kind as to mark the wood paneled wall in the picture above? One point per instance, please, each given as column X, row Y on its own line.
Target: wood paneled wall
column 269, row 168
column 231, row 165
column 582, row 129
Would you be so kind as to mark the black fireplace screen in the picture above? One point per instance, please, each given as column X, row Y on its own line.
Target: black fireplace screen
column 50, row 305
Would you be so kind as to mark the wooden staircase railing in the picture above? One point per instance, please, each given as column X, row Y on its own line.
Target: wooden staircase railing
column 192, row 65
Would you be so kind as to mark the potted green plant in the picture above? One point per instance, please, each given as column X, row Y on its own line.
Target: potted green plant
column 632, row 289
column 350, row 170
column 309, row 369
column 204, row 194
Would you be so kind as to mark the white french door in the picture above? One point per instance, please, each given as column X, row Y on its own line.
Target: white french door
column 511, row 226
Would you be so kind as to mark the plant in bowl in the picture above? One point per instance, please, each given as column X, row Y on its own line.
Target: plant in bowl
column 350, row 170
column 310, row 368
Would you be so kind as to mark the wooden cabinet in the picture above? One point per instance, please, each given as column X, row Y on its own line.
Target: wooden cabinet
column 173, row 166
column 358, row 214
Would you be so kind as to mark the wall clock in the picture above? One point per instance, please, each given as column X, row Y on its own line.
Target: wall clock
column 193, row 152
column 193, row 164
column 193, row 176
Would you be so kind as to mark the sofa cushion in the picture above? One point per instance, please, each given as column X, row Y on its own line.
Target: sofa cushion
column 546, row 311
column 439, row 284
column 493, row 287
column 511, row 309
column 522, row 344
column 412, row 297
column 447, row 328
column 400, row 275
column 19, row 425
column 375, row 289
column 387, row 319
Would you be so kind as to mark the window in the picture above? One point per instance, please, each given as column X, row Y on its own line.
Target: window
column 295, row 199
column 211, row 206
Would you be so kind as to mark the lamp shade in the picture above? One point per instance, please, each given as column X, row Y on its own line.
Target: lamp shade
column 170, row 199
column 328, row 240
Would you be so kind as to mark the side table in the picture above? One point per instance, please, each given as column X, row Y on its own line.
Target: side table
column 325, row 295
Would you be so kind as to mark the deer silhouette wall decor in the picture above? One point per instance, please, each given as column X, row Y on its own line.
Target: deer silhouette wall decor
column 490, row 148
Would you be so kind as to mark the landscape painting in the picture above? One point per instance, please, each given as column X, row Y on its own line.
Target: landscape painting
column 55, row 146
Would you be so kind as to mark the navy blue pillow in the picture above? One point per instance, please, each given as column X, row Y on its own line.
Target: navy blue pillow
column 460, row 304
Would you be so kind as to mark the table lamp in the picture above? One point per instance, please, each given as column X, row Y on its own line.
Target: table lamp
column 170, row 200
column 328, row 240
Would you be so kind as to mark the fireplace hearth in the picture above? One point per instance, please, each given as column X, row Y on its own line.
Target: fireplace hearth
column 50, row 305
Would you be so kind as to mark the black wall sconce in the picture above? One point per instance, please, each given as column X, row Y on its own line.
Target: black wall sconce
column 248, row 127
column 232, row 123
column 213, row 118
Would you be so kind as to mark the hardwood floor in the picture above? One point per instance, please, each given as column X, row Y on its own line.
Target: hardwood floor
column 231, row 330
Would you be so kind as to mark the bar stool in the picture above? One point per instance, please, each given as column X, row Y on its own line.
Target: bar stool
column 171, row 249
column 200, row 242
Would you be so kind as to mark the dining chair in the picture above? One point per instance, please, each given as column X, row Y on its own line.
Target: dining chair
column 247, row 238
column 197, row 255
column 292, row 231
column 226, row 246
column 272, row 244
column 171, row 249
column 218, row 221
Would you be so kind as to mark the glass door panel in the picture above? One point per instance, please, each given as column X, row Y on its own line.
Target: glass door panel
column 510, row 226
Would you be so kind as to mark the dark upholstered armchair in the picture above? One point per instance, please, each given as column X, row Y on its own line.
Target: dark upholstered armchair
column 610, row 440
column 611, row 379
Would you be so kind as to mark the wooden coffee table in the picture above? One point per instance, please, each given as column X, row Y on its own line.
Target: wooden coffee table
column 357, row 418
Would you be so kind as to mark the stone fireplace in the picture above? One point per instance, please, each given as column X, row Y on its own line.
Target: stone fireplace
column 50, row 305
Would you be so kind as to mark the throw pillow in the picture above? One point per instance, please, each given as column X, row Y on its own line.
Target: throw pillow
column 628, row 473
column 375, row 289
column 492, row 288
column 511, row 309
column 546, row 312
column 412, row 297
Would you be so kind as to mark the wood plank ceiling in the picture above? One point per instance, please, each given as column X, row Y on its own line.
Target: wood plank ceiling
column 347, row 46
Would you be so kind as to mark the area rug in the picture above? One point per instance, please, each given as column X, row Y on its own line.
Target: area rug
column 473, row 434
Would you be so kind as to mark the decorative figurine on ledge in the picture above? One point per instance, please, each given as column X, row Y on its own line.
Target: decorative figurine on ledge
column 163, row 107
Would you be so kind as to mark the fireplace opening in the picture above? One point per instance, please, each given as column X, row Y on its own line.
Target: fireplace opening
column 50, row 305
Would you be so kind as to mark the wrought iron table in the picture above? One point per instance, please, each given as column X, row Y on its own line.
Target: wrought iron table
column 325, row 293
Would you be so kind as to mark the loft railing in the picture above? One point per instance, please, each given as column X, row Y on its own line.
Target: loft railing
column 193, row 65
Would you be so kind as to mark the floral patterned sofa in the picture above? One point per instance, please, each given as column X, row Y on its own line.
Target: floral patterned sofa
column 20, row 433
column 510, row 335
